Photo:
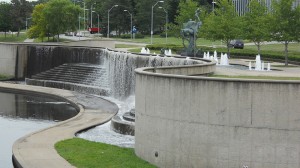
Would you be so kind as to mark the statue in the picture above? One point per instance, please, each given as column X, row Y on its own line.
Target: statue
column 189, row 33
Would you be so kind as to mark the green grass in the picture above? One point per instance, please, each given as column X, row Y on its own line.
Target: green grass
column 257, row 77
column 171, row 40
column 127, row 46
column 86, row 154
column 4, row 77
column 13, row 38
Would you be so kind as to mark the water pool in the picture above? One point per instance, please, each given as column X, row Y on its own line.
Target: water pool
column 21, row 114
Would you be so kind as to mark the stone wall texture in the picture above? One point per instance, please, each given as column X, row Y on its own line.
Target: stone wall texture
column 203, row 122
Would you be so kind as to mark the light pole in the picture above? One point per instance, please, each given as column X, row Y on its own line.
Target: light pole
column 92, row 14
column 108, row 19
column 166, row 23
column 130, row 23
column 213, row 5
column 27, row 22
column 98, row 21
column 152, row 18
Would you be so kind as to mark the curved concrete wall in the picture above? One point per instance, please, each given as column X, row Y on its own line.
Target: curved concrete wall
column 205, row 122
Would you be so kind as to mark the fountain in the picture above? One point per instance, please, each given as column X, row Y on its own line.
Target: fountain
column 224, row 59
column 258, row 63
column 168, row 52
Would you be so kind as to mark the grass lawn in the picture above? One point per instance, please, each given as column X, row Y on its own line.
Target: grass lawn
column 87, row 154
column 171, row 40
column 294, row 48
column 12, row 38
column 4, row 77
column 257, row 77
column 127, row 46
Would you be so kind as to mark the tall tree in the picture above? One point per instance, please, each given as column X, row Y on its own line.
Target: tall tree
column 61, row 16
column 285, row 23
column 5, row 18
column 223, row 24
column 20, row 10
column 39, row 24
column 257, row 23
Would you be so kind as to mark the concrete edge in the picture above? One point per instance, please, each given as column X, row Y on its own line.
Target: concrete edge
column 151, row 72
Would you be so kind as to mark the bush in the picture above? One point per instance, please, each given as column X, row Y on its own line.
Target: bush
column 128, row 36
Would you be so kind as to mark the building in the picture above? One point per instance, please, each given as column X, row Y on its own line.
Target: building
column 241, row 6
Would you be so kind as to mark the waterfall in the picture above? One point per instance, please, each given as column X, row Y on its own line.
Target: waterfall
column 120, row 68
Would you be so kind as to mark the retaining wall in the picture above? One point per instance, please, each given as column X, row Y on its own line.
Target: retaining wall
column 204, row 122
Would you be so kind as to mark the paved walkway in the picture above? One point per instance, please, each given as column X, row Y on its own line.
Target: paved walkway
column 37, row 149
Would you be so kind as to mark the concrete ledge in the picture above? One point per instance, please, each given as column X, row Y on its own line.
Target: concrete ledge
column 121, row 126
column 36, row 150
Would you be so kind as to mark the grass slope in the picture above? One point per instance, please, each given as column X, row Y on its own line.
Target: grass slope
column 86, row 154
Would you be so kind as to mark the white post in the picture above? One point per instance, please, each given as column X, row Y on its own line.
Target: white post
column 108, row 19
column 152, row 19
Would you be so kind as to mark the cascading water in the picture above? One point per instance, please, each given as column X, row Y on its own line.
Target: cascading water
column 121, row 81
column 120, row 68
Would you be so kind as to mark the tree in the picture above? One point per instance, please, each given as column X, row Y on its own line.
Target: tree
column 39, row 24
column 223, row 24
column 5, row 18
column 186, row 11
column 61, row 16
column 257, row 23
column 285, row 23
column 20, row 10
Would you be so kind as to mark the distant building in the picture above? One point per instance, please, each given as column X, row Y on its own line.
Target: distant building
column 241, row 6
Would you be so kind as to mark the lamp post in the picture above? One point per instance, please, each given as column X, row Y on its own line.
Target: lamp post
column 27, row 22
column 130, row 23
column 213, row 5
column 166, row 22
column 98, row 21
column 152, row 18
column 108, row 19
column 92, row 14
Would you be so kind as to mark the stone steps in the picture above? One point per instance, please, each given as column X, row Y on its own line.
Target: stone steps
column 79, row 76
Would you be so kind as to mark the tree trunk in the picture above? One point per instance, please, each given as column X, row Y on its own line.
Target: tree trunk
column 5, row 34
column 18, row 32
column 258, row 48
column 286, row 52
column 57, row 37
column 228, row 49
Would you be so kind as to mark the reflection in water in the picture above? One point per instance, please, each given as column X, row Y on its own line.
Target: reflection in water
column 23, row 114
column 35, row 107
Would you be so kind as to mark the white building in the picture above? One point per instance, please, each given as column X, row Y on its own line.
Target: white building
column 241, row 6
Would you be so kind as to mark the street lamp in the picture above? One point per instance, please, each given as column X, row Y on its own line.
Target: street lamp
column 98, row 21
column 152, row 18
column 213, row 5
column 166, row 22
column 92, row 14
column 27, row 22
column 108, row 19
column 130, row 23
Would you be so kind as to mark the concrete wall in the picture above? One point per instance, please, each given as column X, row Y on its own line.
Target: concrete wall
column 8, row 55
column 210, row 123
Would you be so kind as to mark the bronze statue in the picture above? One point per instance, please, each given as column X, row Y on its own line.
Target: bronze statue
column 189, row 33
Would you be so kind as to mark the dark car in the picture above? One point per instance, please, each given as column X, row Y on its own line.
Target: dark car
column 236, row 44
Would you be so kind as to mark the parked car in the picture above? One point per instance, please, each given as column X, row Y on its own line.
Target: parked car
column 236, row 44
